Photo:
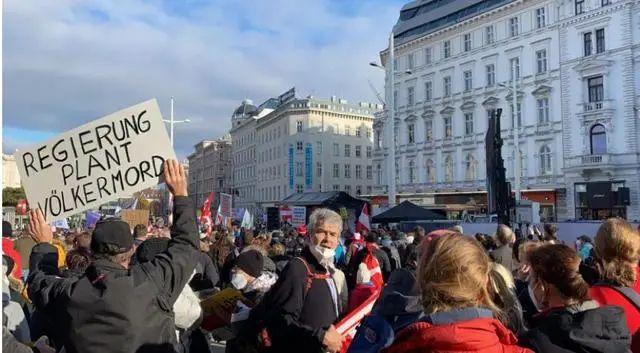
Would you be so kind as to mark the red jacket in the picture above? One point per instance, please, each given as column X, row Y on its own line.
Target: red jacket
column 607, row 296
column 7, row 249
column 484, row 335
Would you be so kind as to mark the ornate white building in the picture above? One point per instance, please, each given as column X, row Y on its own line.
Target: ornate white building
column 573, row 128
column 294, row 145
column 210, row 170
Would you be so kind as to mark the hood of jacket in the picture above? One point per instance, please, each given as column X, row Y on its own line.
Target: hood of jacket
column 475, row 335
column 585, row 327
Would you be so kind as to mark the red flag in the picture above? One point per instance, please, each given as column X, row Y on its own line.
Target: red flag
column 373, row 265
column 205, row 211
column 21, row 207
column 364, row 221
column 348, row 326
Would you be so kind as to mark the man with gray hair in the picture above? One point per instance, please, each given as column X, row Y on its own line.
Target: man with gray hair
column 504, row 253
column 299, row 312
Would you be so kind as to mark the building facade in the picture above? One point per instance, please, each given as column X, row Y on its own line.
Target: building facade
column 210, row 170
column 10, row 174
column 456, row 62
column 306, row 145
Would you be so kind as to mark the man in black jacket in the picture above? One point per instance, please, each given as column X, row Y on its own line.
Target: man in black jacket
column 115, row 307
column 302, row 306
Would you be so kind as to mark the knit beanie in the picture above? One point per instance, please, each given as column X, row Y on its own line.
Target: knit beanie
column 250, row 262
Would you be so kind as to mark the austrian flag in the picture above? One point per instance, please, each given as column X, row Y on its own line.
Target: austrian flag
column 364, row 221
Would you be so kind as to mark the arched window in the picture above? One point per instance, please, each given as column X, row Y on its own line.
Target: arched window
column 448, row 169
column 379, row 174
column 431, row 172
column 412, row 172
column 545, row 160
column 470, row 167
column 598, row 139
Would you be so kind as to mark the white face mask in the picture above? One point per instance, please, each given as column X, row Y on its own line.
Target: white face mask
column 238, row 281
column 323, row 253
column 533, row 298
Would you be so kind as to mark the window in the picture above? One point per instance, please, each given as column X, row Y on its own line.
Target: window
column 299, row 126
column 606, row 2
column 411, row 133
column 410, row 96
column 428, row 129
column 369, row 151
column 395, row 99
column 491, row 75
column 596, row 89
column 598, row 139
column 319, row 169
column 358, row 189
column 431, row 172
column 358, row 151
column 358, row 171
column 514, row 26
column 336, row 187
column 579, row 6
column 545, row 160
column 523, row 164
column 543, row 110
column 299, row 189
column 514, row 62
column 518, row 113
column 540, row 18
column 541, row 60
column 448, row 169
column 369, row 190
column 446, row 49
column 347, row 189
column 299, row 169
column 412, row 172
column 410, row 61
column 299, row 146
column 468, row 80
column 347, row 150
column 369, row 172
column 318, row 147
column 428, row 56
column 347, row 130
column 358, row 132
column 336, row 150
column 446, row 83
column 489, row 35
column 470, row 167
column 467, row 41
column 378, row 140
column 587, row 43
column 368, row 134
column 379, row 174
column 468, row 124
column 447, row 127
column 347, row 171
column 600, row 40
column 428, row 91
column 336, row 170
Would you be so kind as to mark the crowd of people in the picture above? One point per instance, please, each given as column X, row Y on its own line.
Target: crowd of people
column 113, row 289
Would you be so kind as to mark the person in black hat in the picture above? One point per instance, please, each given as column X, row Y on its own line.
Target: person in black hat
column 115, row 306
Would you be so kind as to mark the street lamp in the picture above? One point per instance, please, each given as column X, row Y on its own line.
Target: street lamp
column 171, row 122
column 391, row 162
column 516, row 130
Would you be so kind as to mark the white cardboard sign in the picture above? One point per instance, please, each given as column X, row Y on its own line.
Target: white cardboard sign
column 108, row 158
column 299, row 216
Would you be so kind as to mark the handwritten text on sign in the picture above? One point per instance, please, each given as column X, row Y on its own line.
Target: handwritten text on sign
column 104, row 160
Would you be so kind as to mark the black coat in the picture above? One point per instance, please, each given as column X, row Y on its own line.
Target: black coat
column 113, row 309
column 297, row 322
column 596, row 330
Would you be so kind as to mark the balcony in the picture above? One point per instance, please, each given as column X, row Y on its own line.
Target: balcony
column 589, row 161
column 597, row 109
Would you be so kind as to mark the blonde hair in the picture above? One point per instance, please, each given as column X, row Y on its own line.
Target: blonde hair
column 499, row 271
column 453, row 274
column 505, row 235
column 617, row 248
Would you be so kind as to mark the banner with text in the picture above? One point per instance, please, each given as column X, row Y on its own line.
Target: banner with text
column 226, row 205
column 109, row 158
column 299, row 216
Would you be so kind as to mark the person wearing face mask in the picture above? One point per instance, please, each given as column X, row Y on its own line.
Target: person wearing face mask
column 569, row 321
column 298, row 313
column 371, row 246
column 392, row 252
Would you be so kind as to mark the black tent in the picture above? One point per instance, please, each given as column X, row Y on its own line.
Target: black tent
column 331, row 199
column 407, row 212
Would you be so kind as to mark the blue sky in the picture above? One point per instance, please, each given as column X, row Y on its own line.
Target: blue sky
column 68, row 62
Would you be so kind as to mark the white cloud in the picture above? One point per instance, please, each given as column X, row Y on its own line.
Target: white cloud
column 67, row 62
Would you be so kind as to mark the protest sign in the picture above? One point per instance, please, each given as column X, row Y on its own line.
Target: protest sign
column 101, row 161
column 298, row 216
column 225, row 205
column 135, row 217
